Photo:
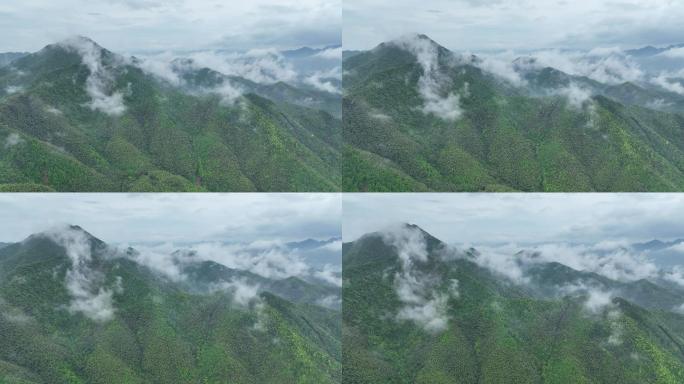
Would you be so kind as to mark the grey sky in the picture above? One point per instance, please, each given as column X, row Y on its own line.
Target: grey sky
column 141, row 25
column 515, row 24
column 491, row 218
column 175, row 217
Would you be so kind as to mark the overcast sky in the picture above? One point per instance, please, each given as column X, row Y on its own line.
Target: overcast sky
column 141, row 25
column 516, row 24
column 118, row 218
column 492, row 218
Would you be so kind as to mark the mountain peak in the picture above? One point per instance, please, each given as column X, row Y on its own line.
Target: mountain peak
column 78, row 40
column 68, row 233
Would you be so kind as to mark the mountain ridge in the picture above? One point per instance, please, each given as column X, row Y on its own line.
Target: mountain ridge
column 491, row 329
column 143, row 134
column 416, row 120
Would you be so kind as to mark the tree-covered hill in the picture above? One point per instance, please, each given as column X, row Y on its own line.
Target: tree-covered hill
column 77, row 117
column 417, row 117
column 419, row 311
column 76, row 310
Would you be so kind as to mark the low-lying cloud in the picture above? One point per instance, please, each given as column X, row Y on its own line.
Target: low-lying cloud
column 100, row 82
column 423, row 302
column 86, row 287
column 431, row 84
column 13, row 139
column 610, row 260
column 272, row 260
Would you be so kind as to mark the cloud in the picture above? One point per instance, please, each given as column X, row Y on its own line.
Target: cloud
column 506, row 24
column 322, row 80
column 503, row 261
column 431, row 82
column 671, row 85
column 161, row 66
column 246, row 296
column 503, row 66
column 576, row 95
column 263, row 66
column 423, row 302
column 271, row 260
column 675, row 275
column 616, row 328
column 330, row 274
column 155, row 25
column 242, row 291
column 380, row 116
column 658, row 104
column 330, row 53
column 673, row 53
column 228, row 92
column 12, row 89
column 14, row 315
column 167, row 67
column 595, row 298
column 608, row 69
column 679, row 309
column 12, row 140
column 522, row 218
column 53, row 111
column 89, row 296
column 100, row 81
column 332, row 302
column 618, row 263
column 144, row 218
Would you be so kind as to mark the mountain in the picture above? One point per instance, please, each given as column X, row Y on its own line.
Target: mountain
column 77, row 117
column 7, row 58
column 75, row 310
column 418, row 311
column 418, row 117
column 651, row 50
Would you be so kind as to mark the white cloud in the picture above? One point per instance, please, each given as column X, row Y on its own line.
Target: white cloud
column 330, row 53
column 596, row 299
column 669, row 84
column 608, row 69
column 380, row 116
column 85, row 285
column 423, row 303
column 679, row 309
column 577, row 96
column 12, row 89
column 330, row 274
column 503, row 66
column 270, row 260
column 618, row 263
column 514, row 24
column 264, row 66
column 242, row 291
column 151, row 25
column 658, row 104
column 53, row 111
column 161, row 66
column 616, row 328
column 136, row 218
column 100, row 81
column 331, row 301
column 12, row 140
column 431, row 82
column 674, row 53
column 321, row 80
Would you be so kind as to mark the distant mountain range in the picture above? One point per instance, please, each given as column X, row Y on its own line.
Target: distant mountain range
column 7, row 58
column 77, row 117
column 418, row 311
column 418, row 117
column 74, row 309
